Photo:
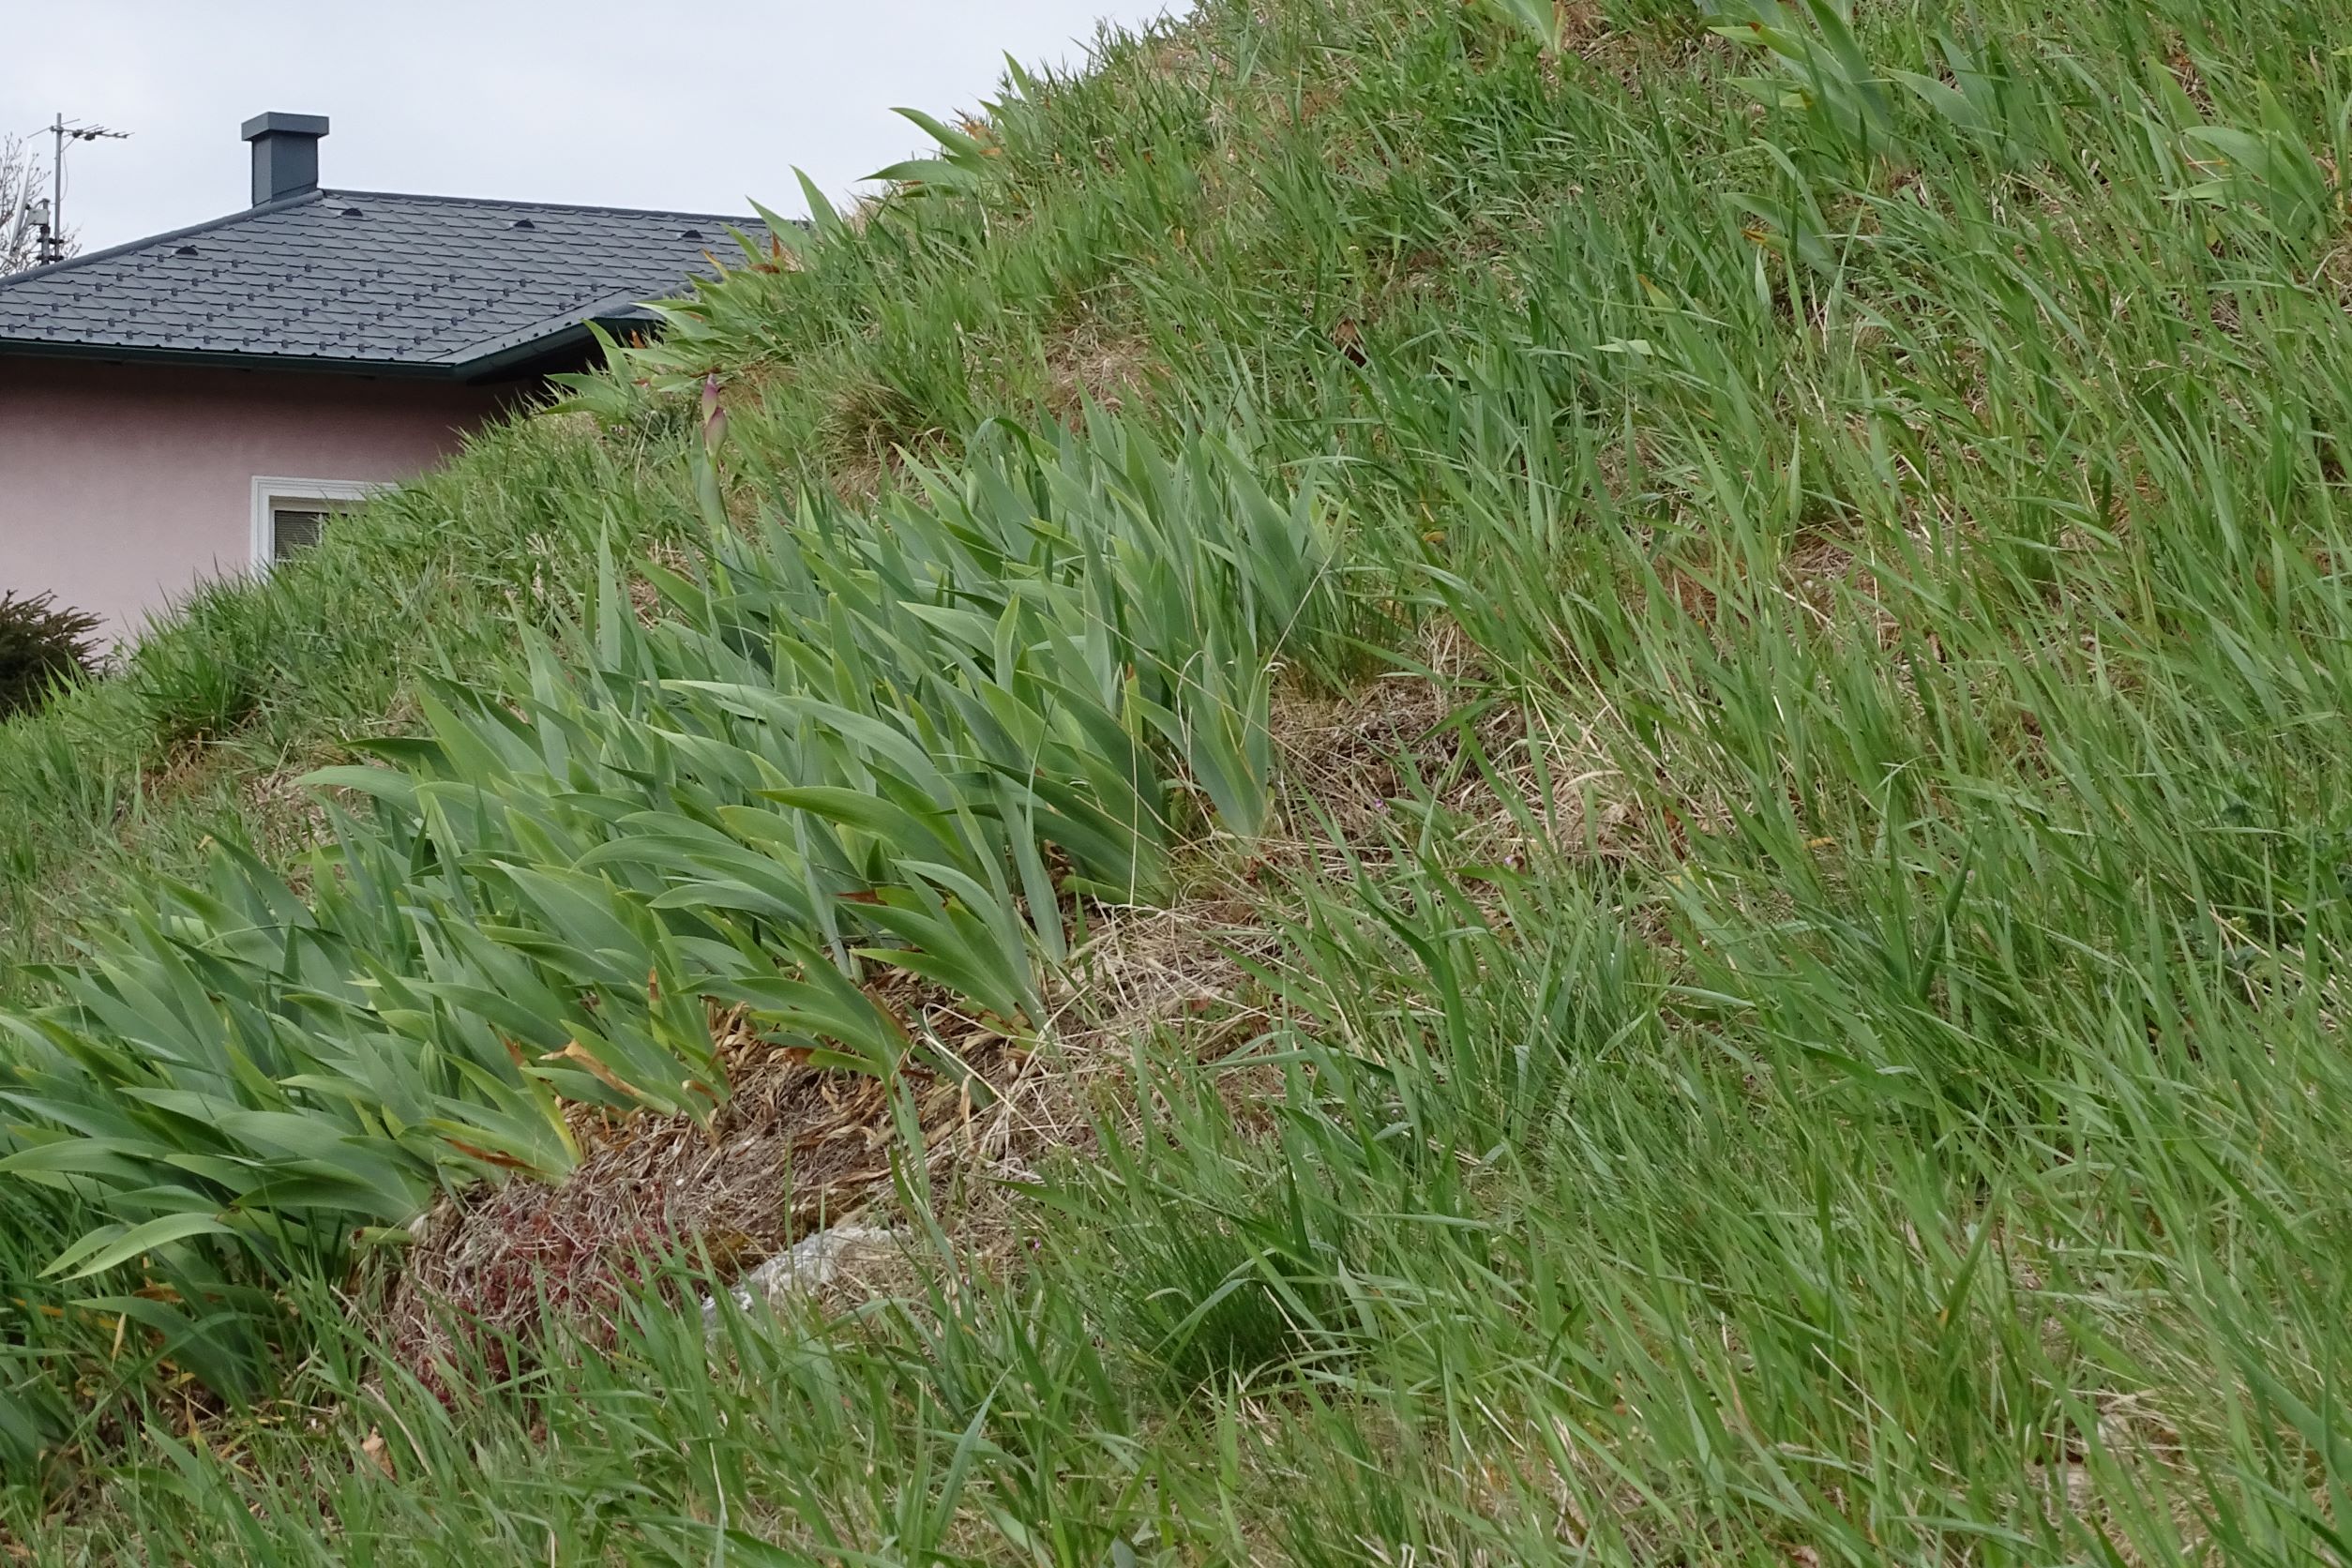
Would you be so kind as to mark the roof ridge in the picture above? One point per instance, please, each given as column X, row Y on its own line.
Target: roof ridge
column 543, row 207
column 209, row 226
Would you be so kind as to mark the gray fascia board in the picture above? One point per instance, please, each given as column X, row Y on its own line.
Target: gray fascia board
column 484, row 361
column 220, row 359
column 490, row 366
column 474, row 363
column 573, row 336
column 613, row 306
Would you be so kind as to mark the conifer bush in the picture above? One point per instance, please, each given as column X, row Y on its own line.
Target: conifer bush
column 43, row 644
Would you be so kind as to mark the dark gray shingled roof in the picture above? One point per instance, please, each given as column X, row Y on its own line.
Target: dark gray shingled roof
column 365, row 281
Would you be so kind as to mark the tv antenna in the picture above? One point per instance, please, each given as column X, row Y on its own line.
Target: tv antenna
column 49, row 217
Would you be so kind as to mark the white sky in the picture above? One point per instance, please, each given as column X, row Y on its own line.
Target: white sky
column 692, row 105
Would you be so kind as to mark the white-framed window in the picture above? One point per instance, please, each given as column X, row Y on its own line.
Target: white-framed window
column 292, row 515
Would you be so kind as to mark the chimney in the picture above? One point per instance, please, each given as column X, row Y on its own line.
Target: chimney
column 285, row 154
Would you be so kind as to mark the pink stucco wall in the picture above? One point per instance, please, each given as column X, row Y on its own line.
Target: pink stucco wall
column 122, row 485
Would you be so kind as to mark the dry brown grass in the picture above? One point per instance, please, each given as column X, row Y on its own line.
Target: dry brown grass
column 1094, row 362
column 1508, row 780
column 794, row 1148
column 799, row 1148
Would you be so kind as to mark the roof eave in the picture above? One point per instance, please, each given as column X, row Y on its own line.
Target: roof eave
column 26, row 348
column 518, row 358
column 551, row 336
column 507, row 357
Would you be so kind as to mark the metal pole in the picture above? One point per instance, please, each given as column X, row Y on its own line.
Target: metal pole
column 54, row 243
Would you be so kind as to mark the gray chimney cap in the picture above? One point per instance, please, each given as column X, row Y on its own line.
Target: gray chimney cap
column 291, row 124
column 285, row 154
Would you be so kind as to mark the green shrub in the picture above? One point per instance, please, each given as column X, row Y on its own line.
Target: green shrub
column 42, row 645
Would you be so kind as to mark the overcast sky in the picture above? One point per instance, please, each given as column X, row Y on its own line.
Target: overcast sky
column 692, row 105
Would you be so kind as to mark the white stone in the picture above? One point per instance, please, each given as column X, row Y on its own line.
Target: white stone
column 807, row 1267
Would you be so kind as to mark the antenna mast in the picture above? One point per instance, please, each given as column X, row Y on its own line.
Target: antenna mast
column 51, row 244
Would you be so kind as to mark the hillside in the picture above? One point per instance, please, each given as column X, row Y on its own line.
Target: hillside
column 1517, row 781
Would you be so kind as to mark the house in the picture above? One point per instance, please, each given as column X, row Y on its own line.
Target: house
column 200, row 403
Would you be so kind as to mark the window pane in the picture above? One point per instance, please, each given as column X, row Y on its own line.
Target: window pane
column 294, row 531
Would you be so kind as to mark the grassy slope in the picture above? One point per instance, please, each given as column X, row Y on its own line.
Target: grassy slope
column 1868, row 1082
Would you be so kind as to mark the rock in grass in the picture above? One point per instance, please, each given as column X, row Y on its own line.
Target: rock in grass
column 808, row 1266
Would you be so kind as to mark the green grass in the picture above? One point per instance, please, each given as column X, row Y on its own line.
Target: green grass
column 1829, row 1050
